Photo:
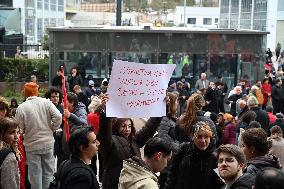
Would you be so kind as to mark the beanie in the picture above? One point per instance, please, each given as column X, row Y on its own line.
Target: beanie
column 30, row 89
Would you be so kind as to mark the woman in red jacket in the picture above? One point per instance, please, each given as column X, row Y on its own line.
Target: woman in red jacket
column 266, row 90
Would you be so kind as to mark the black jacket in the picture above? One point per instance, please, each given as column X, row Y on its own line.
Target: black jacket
column 115, row 149
column 193, row 169
column 77, row 80
column 211, row 97
column 244, row 182
column 257, row 164
column 262, row 118
column 277, row 93
column 233, row 98
column 75, row 174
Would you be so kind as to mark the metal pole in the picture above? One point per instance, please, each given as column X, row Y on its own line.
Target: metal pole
column 184, row 10
column 118, row 12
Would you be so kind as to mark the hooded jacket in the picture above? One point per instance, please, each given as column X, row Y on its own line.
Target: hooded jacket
column 257, row 164
column 78, row 117
column 136, row 174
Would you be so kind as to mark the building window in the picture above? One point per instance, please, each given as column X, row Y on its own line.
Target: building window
column 39, row 4
column 29, row 3
column 60, row 5
column 191, row 20
column 29, row 26
column 52, row 22
column 53, row 5
column 46, row 5
column 207, row 21
column 216, row 20
column 60, row 22
column 39, row 29
column 46, row 23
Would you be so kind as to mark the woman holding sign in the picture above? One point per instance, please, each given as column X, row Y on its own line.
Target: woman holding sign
column 120, row 141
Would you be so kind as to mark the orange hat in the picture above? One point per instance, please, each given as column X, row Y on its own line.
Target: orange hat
column 30, row 89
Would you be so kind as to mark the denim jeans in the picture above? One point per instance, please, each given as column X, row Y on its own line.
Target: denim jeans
column 41, row 164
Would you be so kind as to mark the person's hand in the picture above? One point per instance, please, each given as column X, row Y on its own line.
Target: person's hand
column 66, row 113
column 105, row 98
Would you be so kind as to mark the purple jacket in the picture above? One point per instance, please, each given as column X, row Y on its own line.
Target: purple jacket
column 229, row 134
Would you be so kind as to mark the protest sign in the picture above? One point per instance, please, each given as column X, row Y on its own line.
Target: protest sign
column 138, row 90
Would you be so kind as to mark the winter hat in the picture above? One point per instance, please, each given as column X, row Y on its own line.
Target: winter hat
column 30, row 89
column 171, row 82
column 91, row 83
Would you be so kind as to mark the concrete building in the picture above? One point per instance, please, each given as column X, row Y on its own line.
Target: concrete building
column 36, row 15
column 200, row 17
column 260, row 15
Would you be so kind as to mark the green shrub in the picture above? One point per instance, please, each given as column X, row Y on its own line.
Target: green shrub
column 22, row 69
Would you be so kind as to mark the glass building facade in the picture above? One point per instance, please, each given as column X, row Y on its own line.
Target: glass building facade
column 230, row 53
column 243, row 14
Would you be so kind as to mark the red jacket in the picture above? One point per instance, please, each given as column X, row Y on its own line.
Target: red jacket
column 266, row 90
column 272, row 118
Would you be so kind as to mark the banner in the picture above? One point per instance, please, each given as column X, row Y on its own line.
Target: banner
column 138, row 90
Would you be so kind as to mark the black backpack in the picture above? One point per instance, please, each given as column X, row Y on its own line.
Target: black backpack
column 69, row 170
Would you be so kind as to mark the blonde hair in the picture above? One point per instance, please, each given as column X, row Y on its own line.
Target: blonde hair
column 202, row 126
column 195, row 103
column 95, row 103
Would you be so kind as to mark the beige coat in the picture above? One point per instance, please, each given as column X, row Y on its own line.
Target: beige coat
column 134, row 176
column 277, row 149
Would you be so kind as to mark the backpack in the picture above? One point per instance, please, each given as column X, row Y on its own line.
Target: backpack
column 66, row 174
column 3, row 154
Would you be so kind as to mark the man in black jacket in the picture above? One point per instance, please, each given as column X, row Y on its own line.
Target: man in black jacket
column 76, row 173
column 277, row 96
column 231, row 162
column 261, row 115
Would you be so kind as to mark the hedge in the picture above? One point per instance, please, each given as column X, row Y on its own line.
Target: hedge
column 12, row 69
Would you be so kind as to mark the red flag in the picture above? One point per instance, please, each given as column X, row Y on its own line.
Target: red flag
column 64, row 93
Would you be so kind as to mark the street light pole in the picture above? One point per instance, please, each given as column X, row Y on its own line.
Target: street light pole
column 184, row 10
column 118, row 12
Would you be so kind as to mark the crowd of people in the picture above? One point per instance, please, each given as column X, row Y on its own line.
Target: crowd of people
column 196, row 145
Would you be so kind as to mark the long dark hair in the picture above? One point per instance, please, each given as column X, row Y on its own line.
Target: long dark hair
column 116, row 123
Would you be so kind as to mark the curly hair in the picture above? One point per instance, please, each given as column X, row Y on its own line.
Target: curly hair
column 229, row 117
column 257, row 138
column 4, row 105
column 195, row 103
column 116, row 123
column 53, row 90
column 172, row 110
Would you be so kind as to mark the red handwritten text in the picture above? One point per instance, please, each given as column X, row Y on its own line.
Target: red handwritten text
column 140, row 103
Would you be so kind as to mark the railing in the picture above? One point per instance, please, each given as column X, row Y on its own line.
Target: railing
column 23, row 51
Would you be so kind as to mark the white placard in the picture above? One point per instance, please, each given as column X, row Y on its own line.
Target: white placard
column 138, row 90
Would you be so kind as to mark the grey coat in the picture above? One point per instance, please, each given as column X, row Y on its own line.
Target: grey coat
column 199, row 84
column 10, row 178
